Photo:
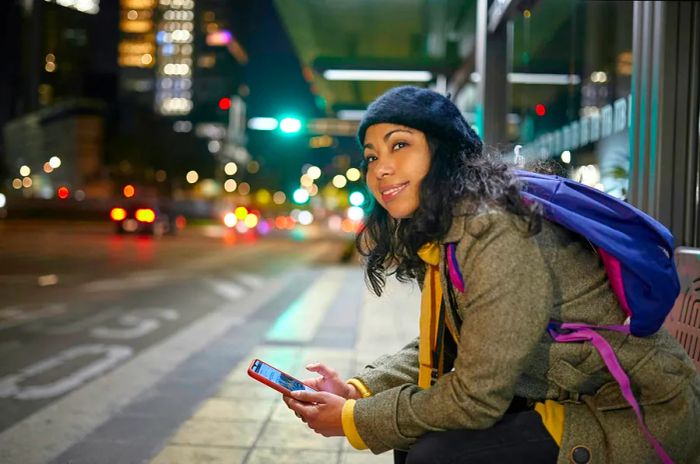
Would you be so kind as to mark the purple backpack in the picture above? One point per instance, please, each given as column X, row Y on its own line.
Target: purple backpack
column 637, row 252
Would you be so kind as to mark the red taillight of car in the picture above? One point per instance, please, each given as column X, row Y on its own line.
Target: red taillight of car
column 117, row 214
column 145, row 215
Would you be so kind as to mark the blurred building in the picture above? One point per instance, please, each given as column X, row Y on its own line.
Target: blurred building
column 134, row 91
column 62, row 80
column 137, row 49
column 181, row 67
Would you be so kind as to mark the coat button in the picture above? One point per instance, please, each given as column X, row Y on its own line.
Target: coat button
column 580, row 455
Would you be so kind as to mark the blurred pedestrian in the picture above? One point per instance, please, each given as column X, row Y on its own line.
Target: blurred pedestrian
column 495, row 388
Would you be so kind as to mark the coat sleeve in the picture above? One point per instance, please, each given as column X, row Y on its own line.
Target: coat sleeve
column 505, row 311
column 390, row 371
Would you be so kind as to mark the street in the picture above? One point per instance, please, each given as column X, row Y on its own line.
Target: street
column 91, row 321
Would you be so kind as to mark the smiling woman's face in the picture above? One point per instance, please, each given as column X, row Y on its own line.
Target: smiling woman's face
column 398, row 158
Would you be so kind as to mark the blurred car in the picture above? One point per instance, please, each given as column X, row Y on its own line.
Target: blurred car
column 145, row 219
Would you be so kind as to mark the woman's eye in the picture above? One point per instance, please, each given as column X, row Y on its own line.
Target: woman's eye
column 399, row 145
column 370, row 158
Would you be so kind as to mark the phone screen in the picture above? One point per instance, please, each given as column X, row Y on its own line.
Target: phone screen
column 280, row 378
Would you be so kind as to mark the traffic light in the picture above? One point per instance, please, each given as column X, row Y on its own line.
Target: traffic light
column 225, row 103
column 290, row 125
column 540, row 109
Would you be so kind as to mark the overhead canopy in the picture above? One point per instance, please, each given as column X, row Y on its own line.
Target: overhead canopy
column 433, row 36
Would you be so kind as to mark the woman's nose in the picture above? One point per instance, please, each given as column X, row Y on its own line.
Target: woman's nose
column 384, row 167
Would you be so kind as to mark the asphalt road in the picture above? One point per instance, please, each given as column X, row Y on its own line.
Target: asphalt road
column 76, row 300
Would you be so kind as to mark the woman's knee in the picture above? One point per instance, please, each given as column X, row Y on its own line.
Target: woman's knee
column 429, row 449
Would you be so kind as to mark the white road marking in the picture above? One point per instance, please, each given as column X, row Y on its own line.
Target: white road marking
column 47, row 433
column 250, row 280
column 136, row 327
column 111, row 355
column 169, row 314
column 76, row 326
column 15, row 315
column 134, row 281
column 226, row 289
column 11, row 312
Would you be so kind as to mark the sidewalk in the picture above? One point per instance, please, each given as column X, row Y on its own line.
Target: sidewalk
column 336, row 321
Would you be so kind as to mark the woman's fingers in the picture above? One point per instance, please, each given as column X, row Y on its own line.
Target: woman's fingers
column 299, row 408
column 322, row 369
column 309, row 397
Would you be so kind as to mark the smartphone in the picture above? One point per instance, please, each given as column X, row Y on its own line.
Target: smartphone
column 275, row 378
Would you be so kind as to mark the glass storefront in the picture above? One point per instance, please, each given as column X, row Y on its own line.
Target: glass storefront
column 570, row 76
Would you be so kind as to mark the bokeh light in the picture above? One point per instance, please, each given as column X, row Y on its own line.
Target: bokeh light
column 251, row 220
column 353, row 174
column 244, row 188
column 263, row 196
column 339, row 181
column 230, row 168
column 241, row 212
column 355, row 213
column 301, row 196
column 230, row 185
column 129, row 191
column 314, row 172
column 357, row 198
column 230, row 220
column 192, row 177
column 305, row 218
column 279, row 198
column 306, row 181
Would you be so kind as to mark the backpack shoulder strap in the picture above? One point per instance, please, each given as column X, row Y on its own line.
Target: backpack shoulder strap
column 452, row 268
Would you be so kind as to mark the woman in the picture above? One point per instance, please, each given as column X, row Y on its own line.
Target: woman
column 495, row 388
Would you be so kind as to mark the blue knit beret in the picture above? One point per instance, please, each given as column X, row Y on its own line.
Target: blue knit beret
column 425, row 110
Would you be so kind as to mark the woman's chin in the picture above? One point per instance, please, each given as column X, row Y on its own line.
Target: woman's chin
column 400, row 213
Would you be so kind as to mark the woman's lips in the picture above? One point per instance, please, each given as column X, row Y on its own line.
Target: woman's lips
column 390, row 192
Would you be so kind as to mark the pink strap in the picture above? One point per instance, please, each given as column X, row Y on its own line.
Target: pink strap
column 453, row 268
column 583, row 332
column 614, row 271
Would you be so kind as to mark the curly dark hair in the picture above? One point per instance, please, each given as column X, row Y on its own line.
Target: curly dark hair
column 390, row 246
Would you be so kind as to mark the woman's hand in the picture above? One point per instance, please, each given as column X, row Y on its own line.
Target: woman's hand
column 322, row 411
column 330, row 382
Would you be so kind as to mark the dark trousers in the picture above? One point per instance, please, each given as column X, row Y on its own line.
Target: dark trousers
column 519, row 437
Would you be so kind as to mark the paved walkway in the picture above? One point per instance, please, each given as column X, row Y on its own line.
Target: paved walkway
column 336, row 321
column 245, row 422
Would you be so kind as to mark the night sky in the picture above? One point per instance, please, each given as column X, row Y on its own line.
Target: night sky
column 277, row 87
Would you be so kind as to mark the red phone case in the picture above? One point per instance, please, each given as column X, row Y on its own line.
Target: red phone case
column 268, row 382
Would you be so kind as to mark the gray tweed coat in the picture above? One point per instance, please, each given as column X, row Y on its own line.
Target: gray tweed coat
column 514, row 285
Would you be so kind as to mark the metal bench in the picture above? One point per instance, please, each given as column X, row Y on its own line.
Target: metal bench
column 684, row 320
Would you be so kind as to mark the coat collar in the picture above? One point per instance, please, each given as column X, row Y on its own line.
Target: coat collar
column 459, row 217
